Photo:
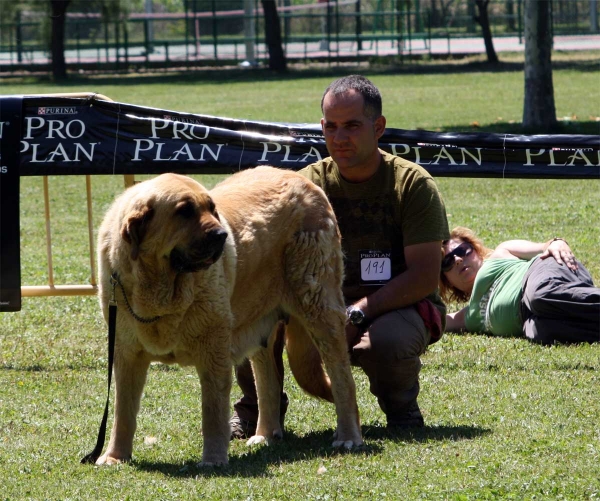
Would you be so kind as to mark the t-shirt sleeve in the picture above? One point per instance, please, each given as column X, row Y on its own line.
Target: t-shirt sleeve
column 313, row 173
column 473, row 321
column 423, row 213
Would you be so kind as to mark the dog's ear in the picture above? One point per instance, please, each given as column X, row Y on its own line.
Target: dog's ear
column 135, row 227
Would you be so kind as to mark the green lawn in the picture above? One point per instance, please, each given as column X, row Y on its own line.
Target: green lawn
column 505, row 419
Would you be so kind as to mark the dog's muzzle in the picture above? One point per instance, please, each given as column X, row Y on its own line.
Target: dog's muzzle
column 201, row 254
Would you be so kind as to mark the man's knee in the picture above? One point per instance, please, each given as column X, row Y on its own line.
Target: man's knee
column 398, row 335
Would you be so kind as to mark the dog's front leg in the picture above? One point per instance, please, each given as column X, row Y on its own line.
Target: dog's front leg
column 215, row 380
column 268, row 389
column 130, row 370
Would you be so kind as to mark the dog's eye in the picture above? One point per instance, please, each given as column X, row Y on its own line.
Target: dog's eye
column 186, row 209
column 211, row 206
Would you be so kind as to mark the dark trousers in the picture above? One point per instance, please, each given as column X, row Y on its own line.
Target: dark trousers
column 389, row 353
column 560, row 305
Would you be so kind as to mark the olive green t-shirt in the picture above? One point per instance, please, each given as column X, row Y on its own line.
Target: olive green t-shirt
column 399, row 206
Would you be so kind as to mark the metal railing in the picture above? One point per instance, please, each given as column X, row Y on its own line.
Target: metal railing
column 338, row 28
column 51, row 288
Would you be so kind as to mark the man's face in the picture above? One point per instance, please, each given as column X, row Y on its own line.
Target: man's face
column 351, row 137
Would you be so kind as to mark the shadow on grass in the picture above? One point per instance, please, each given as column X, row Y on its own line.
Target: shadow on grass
column 254, row 461
column 426, row 434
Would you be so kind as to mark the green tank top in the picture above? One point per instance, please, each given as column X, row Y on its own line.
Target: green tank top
column 495, row 302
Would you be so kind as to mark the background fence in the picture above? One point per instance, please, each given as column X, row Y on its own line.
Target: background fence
column 207, row 32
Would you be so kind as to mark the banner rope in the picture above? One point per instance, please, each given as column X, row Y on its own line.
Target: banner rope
column 504, row 153
column 116, row 138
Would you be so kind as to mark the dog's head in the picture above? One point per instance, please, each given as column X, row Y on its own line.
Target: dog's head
column 173, row 219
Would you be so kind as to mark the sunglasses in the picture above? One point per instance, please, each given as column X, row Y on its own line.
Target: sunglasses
column 462, row 250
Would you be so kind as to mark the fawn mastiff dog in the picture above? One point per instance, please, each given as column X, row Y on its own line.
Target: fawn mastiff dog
column 206, row 277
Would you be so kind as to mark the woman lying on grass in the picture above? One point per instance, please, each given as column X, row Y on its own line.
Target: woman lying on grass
column 520, row 287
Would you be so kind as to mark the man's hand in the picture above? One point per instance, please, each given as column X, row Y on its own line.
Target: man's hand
column 353, row 335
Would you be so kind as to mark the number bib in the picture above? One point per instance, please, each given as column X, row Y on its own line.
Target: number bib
column 375, row 267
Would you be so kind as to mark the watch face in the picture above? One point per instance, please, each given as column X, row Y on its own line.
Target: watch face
column 356, row 317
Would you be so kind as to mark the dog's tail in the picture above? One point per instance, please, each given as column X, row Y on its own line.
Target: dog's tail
column 305, row 362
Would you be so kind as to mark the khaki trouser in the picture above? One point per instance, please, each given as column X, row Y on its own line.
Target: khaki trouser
column 389, row 353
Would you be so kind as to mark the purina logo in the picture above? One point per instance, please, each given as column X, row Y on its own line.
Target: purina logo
column 183, row 120
column 47, row 110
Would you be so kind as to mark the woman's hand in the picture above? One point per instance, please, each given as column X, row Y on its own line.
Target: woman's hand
column 559, row 249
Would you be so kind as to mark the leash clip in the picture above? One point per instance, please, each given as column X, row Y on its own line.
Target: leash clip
column 113, row 296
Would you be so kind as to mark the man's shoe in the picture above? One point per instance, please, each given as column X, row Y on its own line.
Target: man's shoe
column 410, row 418
column 241, row 428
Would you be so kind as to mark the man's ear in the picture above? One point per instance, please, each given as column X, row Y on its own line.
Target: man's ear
column 135, row 227
column 380, row 123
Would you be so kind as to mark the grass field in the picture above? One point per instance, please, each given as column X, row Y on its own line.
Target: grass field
column 505, row 419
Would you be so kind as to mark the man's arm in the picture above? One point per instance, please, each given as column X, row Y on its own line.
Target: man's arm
column 420, row 279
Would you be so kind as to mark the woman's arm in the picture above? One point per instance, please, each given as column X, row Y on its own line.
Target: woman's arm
column 455, row 322
column 523, row 249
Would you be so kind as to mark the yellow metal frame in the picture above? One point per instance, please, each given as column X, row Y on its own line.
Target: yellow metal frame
column 51, row 289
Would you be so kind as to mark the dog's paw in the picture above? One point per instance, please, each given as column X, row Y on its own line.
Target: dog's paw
column 347, row 439
column 109, row 460
column 256, row 440
column 347, row 444
column 266, row 438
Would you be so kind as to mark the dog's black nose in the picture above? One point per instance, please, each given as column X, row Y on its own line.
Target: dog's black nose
column 216, row 237
column 201, row 254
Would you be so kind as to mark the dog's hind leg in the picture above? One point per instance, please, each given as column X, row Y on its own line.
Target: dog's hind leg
column 314, row 273
column 130, row 371
column 327, row 334
column 268, row 388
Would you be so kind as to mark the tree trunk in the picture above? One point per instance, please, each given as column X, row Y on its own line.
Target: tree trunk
column 57, row 43
column 277, row 59
column 539, row 112
column 484, row 21
column 594, row 16
column 510, row 16
column 435, row 14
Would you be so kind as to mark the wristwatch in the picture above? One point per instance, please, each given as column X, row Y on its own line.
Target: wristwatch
column 356, row 316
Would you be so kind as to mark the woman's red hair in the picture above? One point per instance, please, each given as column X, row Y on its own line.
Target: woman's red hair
column 448, row 292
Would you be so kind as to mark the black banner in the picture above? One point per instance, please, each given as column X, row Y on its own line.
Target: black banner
column 10, row 255
column 92, row 136
column 49, row 135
